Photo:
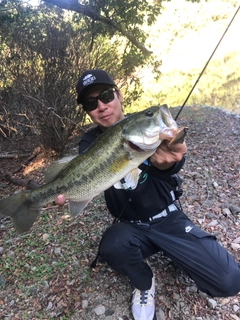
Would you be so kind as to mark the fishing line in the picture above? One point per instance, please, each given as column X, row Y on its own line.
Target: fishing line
column 94, row 262
column 206, row 64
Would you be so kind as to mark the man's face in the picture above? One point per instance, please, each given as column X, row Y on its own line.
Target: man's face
column 105, row 114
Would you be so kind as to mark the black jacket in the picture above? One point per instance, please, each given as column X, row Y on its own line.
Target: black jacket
column 154, row 193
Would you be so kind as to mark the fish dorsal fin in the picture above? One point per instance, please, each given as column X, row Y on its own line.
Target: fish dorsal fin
column 76, row 207
column 55, row 167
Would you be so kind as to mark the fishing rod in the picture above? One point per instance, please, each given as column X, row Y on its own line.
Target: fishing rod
column 184, row 103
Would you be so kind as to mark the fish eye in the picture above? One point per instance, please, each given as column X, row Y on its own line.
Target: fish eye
column 149, row 113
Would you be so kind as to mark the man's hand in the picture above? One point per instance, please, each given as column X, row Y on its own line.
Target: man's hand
column 167, row 154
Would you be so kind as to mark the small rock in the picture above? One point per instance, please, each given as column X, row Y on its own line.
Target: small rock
column 160, row 315
column 225, row 301
column 237, row 240
column 209, row 215
column 84, row 304
column 50, row 306
column 234, row 209
column 215, row 185
column 70, row 283
column 235, row 246
column 1, row 249
column 99, row 310
column 203, row 294
column 192, row 289
column 226, row 212
column 213, row 223
column 45, row 236
column 57, row 251
column 212, row 303
column 120, row 298
column 45, row 284
column 2, row 282
column 176, row 296
column 109, row 312
column 12, row 303
column 33, row 291
column 235, row 308
column 10, row 253
column 195, row 174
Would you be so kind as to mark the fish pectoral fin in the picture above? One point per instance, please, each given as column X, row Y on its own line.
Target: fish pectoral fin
column 131, row 179
column 55, row 167
column 76, row 207
column 179, row 135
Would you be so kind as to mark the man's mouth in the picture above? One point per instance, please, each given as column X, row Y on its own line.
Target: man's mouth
column 105, row 117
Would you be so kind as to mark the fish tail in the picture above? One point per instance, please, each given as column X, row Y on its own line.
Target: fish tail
column 21, row 209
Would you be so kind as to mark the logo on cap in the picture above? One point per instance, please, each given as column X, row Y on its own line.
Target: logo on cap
column 88, row 79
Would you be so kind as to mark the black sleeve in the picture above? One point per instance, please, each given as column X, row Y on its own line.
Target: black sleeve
column 169, row 172
column 83, row 144
column 88, row 138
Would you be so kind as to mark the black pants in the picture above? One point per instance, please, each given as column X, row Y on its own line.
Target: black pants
column 124, row 246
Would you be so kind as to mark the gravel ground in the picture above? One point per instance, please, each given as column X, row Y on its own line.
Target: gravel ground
column 211, row 199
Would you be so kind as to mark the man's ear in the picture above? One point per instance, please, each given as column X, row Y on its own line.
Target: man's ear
column 120, row 96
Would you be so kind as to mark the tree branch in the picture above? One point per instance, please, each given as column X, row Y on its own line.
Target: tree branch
column 28, row 183
column 88, row 11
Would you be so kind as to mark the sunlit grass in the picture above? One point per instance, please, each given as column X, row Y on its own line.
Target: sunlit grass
column 184, row 38
column 219, row 86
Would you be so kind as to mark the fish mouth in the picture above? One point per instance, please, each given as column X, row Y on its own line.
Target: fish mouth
column 134, row 147
column 143, row 147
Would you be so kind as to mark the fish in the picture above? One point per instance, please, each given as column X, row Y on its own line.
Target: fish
column 113, row 155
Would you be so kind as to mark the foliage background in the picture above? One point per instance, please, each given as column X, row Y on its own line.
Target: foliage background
column 43, row 50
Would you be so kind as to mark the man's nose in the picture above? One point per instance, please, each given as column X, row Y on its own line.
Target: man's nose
column 101, row 105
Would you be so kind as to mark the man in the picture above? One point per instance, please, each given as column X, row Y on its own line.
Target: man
column 147, row 220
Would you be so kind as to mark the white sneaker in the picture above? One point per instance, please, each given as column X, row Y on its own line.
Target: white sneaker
column 143, row 307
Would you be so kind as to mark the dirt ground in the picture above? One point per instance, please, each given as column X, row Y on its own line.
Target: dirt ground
column 45, row 274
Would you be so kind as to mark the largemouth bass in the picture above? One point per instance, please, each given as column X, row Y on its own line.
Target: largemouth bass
column 116, row 153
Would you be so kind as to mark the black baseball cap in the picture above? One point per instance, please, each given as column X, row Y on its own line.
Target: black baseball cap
column 90, row 78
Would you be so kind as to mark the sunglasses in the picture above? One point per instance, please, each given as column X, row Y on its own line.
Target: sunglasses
column 105, row 96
